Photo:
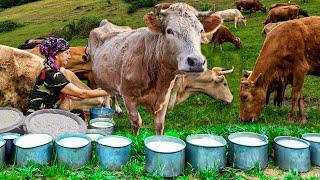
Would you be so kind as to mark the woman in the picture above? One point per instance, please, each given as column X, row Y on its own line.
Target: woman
column 51, row 85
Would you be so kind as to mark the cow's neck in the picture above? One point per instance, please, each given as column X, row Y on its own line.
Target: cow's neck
column 267, row 68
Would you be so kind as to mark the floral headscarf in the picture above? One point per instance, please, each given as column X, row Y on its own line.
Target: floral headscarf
column 51, row 47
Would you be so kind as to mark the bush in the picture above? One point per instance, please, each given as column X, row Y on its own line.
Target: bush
column 77, row 28
column 136, row 4
column 9, row 3
column 9, row 25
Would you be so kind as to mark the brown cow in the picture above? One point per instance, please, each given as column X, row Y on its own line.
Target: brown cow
column 223, row 35
column 139, row 65
column 252, row 5
column 79, row 62
column 268, row 27
column 289, row 53
column 18, row 72
column 284, row 13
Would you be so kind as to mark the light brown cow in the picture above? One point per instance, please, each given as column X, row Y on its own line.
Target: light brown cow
column 210, row 82
column 284, row 13
column 18, row 72
column 139, row 65
column 289, row 53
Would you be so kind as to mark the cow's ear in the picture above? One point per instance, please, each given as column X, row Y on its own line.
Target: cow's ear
column 212, row 23
column 153, row 22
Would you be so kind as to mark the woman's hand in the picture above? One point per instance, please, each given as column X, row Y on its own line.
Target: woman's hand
column 73, row 90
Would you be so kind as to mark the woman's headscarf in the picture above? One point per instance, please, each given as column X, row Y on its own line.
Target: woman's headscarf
column 51, row 47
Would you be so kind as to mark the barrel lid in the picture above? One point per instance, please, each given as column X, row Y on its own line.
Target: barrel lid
column 16, row 119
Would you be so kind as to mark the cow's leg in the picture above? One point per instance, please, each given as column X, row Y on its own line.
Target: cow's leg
column 116, row 106
column 221, row 47
column 161, row 113
column 91, row 82
column 301, row 109
column 214, row 42
column 295, row 94
column 106, row 102
column 135, row 118
column 235, row 22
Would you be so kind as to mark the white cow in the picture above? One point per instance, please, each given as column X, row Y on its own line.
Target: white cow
column 232, row 15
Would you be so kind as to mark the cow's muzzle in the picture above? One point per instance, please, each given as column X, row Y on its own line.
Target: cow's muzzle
column 196, row 64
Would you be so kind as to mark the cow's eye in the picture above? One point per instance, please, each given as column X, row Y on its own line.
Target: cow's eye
column 225, row 84
column 201, row 31
column 169, row 31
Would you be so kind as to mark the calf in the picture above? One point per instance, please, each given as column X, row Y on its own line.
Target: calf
column 224, row 35
column 251, row 5
column 232, row 15
column 284, row 13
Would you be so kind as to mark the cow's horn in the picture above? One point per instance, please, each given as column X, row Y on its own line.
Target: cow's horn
column 163, row 12
column 226, row 71
column 205, row 13
column 246, row 73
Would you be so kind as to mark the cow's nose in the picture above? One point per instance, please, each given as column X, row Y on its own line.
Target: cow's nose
column 191, row 61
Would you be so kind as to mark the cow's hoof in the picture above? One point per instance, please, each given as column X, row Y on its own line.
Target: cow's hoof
column 136, row 131
column 292, row 118
column 303, row 119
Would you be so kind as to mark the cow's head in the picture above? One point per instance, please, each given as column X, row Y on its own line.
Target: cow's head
column 262, row 7
column 212, row 83
column 252, row 98
column 237, row 42
column 181, row 29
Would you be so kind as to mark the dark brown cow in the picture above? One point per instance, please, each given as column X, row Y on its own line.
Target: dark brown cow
column 252, row 5
column 290, row 52
column 284, row 12
column 223, row 35
column 140, row 65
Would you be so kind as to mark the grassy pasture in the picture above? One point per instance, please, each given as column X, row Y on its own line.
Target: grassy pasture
column 199, row 114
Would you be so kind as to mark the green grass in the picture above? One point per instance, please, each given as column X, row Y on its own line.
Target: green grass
column 199, row 114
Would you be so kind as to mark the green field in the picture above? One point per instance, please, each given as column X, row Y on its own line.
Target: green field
column 199, row 114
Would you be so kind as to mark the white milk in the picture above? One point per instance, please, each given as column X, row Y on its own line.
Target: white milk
column 313, row 138
column 248, row 141
column 33, row 140
column 10, row 136
column 114, row 141
column 292, row 143
column 102, row 124
column 73, row 142
column 165, row 147
column 94, row 137
column 2, row 143
column 207, row 142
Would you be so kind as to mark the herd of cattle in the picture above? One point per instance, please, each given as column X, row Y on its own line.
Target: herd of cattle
column 161, row 65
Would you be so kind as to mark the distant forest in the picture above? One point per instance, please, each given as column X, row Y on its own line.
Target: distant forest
column 9, row 3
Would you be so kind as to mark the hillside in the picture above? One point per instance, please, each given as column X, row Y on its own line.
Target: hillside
column 199, row 114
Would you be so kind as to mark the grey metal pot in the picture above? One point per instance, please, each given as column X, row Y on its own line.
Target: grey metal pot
column 165, row 164
column 297, row 159
column 203, row 157
column 248, row 156
column 314, row 147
